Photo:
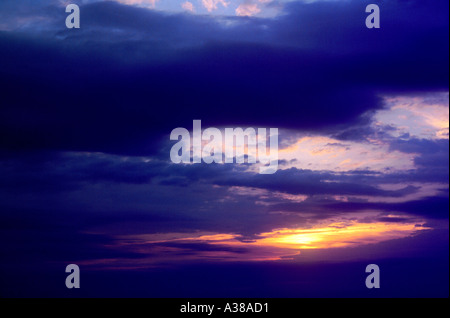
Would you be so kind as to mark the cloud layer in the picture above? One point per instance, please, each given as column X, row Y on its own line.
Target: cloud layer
column 86, row 114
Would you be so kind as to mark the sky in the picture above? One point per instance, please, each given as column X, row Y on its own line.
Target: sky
column 363, row 170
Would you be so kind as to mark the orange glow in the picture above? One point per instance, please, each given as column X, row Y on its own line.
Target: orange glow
column 279, row 244
column 332, row 236
column 337, row 235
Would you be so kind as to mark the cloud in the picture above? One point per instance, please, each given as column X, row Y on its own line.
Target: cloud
column 211, row 5
column 148, row 3
column 73, row 171
column 423, row 116
column 188, row 6
column 86, row 116
column 247, row 9
column 250, row 8
column 432, row 207
column 141, row 56
column 267, row 72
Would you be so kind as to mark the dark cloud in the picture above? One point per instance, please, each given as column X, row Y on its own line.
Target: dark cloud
column 131, row 75
column 420, row 146
column 45, row 236
column 295, row 181
column 193, row 248
column 72, row 171
column 436, row 207
column 106, row 192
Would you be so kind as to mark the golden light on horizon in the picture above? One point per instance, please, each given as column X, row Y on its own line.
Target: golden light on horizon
column 334, row 235
column 337, row 235
column 278, row 244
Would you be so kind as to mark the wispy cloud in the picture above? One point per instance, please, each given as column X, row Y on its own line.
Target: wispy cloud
column 212, row 5
column 188, row 6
